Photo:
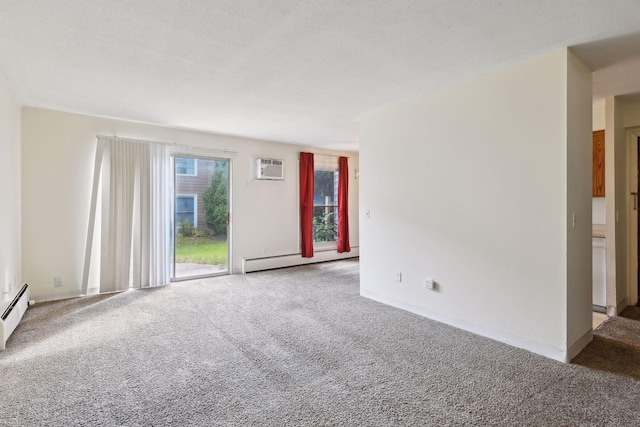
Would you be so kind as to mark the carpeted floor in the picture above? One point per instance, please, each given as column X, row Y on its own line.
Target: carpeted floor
column 631, row 312
column 296, row 346
column 616, row 345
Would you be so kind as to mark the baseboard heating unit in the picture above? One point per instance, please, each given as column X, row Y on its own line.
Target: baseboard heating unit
column 12, row 312
column 289, row 260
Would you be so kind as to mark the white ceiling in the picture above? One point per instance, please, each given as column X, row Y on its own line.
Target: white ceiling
column 291, row 71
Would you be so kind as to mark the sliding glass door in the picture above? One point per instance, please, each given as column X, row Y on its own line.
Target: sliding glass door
column 200, row 217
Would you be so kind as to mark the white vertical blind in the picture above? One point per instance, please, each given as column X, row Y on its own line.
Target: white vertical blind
column 160, row 215
column 135, row 215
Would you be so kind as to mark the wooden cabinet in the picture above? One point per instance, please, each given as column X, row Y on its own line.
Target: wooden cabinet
column 598, row 163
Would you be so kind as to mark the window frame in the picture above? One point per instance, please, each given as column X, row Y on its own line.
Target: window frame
column 324, row 167
column 195, row 166
column 195, row 207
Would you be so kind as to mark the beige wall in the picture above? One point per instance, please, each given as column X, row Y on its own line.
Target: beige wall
column 58, row 160
column 474, row 194
column 631, row 114
column 598, row 116
column 10, row 183
column 616, row 191
column 579, row 200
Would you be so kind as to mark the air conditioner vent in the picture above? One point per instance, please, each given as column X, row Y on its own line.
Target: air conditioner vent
column 270, row 169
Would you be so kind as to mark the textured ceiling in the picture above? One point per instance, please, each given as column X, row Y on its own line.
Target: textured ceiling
column 290, row 71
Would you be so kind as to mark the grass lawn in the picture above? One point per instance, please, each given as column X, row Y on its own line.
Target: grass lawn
column 201, row 250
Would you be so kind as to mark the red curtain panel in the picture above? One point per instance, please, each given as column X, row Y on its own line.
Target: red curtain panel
column 306, row 204
column 343, row 205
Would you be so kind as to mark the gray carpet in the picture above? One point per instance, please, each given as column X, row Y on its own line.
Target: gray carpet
column 296, row 346
column 616, row 345
column 631, row 312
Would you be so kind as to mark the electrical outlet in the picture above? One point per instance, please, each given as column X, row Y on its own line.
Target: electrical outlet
column 399, row 277
column 430, row 284
column 57, row 282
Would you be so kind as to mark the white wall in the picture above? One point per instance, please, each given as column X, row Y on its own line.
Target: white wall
column 58, row 159
column 10, row 193
column 474, row 195
column 616, row 191
column 579, row 200
column 599, row 210
column 598, row 116
column 631, row 114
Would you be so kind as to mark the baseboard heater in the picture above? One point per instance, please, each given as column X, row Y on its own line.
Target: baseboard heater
column 12, row 314
column 294, row 259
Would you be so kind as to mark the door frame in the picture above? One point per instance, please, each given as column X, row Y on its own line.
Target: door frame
column 185, row 153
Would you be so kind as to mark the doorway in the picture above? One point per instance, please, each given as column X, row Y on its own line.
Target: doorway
column 633, row 209
column 635, row 217
column 201, row 213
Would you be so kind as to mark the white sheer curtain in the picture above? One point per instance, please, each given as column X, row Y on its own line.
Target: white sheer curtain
column 160, row 240
column 135, row 215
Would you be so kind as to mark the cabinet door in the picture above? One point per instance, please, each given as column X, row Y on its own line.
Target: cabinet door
column 598, row 163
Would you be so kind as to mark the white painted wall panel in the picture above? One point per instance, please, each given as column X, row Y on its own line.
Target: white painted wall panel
column 10, row 193
column 469, row 186
column 579, row 203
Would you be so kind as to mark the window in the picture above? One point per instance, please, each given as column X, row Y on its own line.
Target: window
column 324, row 191
column 325, row 206
column 186, row 166
column 186, row 209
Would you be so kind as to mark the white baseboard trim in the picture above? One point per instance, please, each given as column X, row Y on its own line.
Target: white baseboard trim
column 56, row 296
column 614, row 311
column 623, row 304
column 579, row 345
column 291, row 260
column 526, row 344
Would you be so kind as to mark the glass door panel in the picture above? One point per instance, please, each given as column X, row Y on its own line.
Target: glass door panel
column 201, row 217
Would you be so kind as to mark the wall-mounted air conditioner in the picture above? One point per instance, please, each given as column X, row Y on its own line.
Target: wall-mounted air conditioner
column 270, row 169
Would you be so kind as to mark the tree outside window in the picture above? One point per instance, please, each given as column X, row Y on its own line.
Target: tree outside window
column 325, row 206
